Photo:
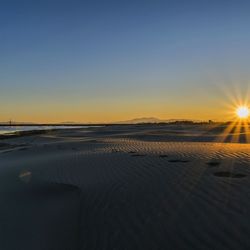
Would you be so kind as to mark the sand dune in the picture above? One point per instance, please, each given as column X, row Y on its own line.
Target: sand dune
column 113, row 188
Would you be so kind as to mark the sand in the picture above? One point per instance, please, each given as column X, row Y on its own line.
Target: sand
column 125, row 187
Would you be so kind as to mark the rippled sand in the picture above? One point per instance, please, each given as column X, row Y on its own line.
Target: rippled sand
column 125, row 187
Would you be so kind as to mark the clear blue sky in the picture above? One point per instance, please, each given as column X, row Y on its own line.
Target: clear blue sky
column 97, row 61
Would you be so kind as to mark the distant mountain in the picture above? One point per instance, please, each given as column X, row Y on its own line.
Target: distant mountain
column 140, row 120
column 153, row 120
column 69, row 122
column 132, row 121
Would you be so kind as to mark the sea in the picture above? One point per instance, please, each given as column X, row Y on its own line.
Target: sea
column 13, row 129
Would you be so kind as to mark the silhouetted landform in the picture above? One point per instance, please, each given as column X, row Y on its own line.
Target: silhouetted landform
column 137, row 121
column 152, row 120
column 141, row 120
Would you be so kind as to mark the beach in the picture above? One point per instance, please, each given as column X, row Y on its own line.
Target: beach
column 126, row 187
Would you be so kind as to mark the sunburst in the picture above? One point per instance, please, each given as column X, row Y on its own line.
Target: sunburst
column 242, row 112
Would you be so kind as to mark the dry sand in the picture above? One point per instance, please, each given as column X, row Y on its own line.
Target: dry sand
column 125, row 187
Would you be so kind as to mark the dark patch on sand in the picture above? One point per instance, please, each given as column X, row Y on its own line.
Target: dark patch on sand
column 178, row 161
column 163, row 156
column 229, row 174
column 138, row 155
column 135, row 154
column 132, row 152
column 94, row 141
column 213, row 163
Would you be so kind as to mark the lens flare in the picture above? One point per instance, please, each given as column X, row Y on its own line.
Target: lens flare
column 242, row 112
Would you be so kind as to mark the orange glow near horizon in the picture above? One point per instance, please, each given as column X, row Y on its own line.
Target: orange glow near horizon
column 118, row 110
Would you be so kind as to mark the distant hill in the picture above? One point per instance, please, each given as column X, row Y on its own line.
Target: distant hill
column 132, row 121
column 141, row 120
column 153, row 120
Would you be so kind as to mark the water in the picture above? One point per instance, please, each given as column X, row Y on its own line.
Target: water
column 13, row 129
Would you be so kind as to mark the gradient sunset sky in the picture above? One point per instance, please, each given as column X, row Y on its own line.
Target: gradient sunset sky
column 104, row 61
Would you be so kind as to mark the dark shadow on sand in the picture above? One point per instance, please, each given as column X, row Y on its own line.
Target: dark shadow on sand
column 138, row 155
column 40, row 216
column 178, row 161
column 163, row 156
column 228, row 174
column 213, row 163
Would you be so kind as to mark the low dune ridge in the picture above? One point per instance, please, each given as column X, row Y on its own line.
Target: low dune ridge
column 112, row 188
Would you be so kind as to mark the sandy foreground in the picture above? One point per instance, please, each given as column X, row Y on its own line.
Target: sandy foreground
column 125, row 187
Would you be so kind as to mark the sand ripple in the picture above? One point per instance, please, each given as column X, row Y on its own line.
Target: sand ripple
column 151, row 195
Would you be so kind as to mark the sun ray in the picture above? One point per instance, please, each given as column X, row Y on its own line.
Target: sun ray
column 237, row 131
column 227, row 131
column 247, row 131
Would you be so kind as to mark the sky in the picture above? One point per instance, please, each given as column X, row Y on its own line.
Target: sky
column 106, row 61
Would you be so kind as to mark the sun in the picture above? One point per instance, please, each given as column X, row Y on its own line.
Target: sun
column 242, row 112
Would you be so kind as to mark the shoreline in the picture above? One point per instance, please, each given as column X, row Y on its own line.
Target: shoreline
column 22, row 133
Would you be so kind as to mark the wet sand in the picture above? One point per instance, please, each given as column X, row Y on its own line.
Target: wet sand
column 125, row 187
